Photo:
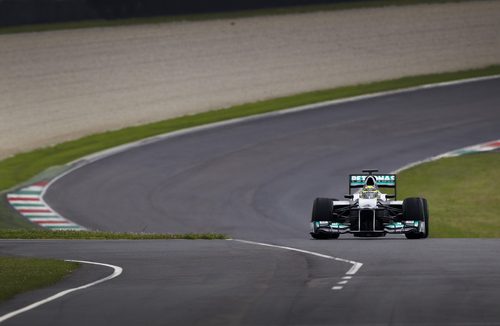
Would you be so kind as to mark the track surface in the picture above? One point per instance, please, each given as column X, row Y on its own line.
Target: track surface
column 256, row 181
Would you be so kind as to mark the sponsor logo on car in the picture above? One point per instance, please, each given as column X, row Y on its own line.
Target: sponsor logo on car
column 379, row 178
column 382, row 180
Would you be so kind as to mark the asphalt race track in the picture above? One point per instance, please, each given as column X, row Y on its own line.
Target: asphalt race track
column 256, row 180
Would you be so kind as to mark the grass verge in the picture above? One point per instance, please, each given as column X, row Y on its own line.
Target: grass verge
column 19, row 275
column 464, row 200
column 98, row 235
column 10, row 219
column 22, row 167
column 213, row 16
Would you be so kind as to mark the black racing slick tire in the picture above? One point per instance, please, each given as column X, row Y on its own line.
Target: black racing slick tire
column 322, row 211
column 416, row 209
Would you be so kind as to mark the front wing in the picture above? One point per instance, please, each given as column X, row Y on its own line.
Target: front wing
column 328, row 227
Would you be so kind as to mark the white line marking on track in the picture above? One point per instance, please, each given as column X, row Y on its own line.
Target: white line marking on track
column 346, row 277
column 353, row 270
column 118, row 149
column 117, row 270
column 482, row 147
column 342, row 282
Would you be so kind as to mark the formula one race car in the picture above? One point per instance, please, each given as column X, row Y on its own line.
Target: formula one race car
column 369, row 212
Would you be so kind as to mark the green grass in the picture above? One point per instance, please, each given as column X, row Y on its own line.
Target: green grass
column 98, row 235
column 212, row 16
column 463, row 195
column 9, row 218
column 22, row 167
column 19, row 275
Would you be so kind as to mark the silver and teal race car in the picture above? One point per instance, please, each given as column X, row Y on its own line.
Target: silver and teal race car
column 368, row 212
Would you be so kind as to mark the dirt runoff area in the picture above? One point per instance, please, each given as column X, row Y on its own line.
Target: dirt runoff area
column 57, row 86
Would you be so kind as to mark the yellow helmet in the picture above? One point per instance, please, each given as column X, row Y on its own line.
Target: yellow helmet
column 369, row 192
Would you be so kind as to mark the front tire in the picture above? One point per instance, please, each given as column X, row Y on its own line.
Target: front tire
column 416, row 209
column 322, row 211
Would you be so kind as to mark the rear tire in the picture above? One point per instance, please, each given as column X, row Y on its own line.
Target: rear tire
column 322, row 211
column 416, row 209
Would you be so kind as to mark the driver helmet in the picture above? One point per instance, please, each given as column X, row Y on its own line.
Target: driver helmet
column 369, row 192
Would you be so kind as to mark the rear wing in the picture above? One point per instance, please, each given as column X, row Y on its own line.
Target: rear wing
column 382, row 180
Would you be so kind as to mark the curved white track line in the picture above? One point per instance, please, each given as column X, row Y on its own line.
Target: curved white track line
column 117, row 270
column 477, row 148
column 353, row 270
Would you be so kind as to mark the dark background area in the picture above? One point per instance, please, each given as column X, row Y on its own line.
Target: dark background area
column 23, row 12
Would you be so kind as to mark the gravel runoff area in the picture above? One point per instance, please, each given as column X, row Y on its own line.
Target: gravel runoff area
column 61, row 85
